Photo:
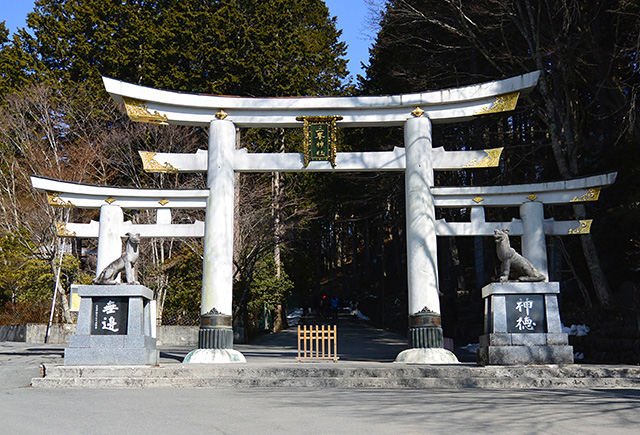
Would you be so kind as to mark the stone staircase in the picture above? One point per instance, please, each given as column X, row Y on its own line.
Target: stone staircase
column 338, row 375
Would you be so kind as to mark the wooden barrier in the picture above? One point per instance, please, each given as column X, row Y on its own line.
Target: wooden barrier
column 317, row 342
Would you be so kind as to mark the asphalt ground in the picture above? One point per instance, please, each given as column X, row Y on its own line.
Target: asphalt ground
column 25, row 410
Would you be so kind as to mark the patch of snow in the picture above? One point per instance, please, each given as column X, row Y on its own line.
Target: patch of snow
column 471, row 347
column 577, row 330
column 359, row 314
column 294, row 317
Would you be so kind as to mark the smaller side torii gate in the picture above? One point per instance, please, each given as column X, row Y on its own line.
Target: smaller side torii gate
column 530, row 199
column 111, row 201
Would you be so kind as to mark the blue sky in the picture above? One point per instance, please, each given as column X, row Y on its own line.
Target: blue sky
column 352, row 19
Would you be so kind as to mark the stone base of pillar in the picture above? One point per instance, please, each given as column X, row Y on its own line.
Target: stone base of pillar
column 215, row 332
column 426, row 341
column 427, row 356
column 215, row 341
column 425, row 330
column 214, row 356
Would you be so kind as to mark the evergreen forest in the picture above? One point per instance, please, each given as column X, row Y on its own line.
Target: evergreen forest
column 300, row 238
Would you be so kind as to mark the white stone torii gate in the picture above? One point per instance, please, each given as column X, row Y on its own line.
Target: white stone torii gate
column 415, row 112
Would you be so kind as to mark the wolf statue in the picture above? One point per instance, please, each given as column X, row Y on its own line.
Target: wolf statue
column 125, row 262
column 511, row 260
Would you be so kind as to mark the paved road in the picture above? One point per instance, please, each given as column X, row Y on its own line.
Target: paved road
column 24, row 410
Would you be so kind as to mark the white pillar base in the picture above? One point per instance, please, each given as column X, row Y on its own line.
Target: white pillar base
column 432, row 355
column 214, row 356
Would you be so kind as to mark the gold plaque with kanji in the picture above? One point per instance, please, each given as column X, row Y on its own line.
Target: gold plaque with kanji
column 320, row 141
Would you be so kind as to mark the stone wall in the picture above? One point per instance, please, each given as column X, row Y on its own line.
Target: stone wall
column 60, row 333
column 177, row 335
column 13, row 332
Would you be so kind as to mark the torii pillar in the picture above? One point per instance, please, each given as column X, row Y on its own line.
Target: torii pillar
column 425, row 330
column 215, row 338
column 534, row 242
column 109, row 238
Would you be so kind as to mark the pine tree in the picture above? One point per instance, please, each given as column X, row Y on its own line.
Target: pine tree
column 18, row 68
column 237, row 47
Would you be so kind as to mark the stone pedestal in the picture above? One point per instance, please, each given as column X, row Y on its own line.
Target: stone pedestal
column 116, row 326
column 522, row 325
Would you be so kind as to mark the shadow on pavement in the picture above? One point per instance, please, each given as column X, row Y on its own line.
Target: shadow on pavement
column 357, row 341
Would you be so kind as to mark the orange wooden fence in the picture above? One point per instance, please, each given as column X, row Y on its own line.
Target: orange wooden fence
column 317, row 342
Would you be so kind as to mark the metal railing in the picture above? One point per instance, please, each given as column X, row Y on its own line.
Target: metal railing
column 317, row 342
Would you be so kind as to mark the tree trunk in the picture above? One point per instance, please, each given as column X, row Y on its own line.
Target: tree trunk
column 600, row 283
column 280, row 320
column 383, row 274
column 583, row 288
column 563, row 136
column 68, row 318
column 236, row 209
column 355, row 278
column 64, row 302
column 277, row 197
column 277, row 221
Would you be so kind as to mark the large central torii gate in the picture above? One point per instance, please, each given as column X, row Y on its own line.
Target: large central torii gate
column 418, row 159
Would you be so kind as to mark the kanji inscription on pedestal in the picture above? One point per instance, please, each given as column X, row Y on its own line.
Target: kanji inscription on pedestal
column 525, row 313
column 109, row 316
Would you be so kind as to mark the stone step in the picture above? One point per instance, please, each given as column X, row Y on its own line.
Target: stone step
column 323, row 376
column 410, row 383
column 337, row 370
